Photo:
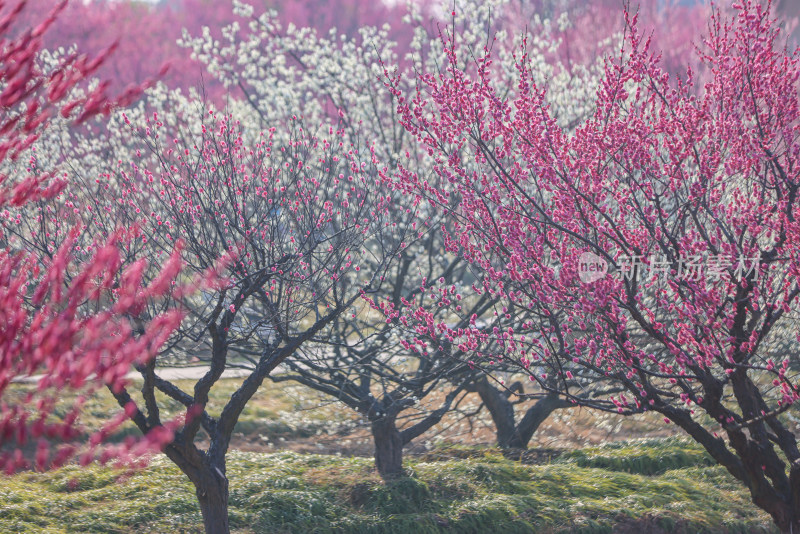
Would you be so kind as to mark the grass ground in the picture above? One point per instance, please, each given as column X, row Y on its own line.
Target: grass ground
column 655, row 486
column 573, row 480
column 288, row 416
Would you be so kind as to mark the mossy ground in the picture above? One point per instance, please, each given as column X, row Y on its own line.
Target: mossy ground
column 645, row 486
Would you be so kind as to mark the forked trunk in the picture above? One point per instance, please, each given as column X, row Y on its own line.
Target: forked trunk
column 511, row 435
column 533, row 418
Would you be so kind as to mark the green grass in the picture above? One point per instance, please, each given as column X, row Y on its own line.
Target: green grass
column 301, row 493
column 277, row 412
column 645, row 457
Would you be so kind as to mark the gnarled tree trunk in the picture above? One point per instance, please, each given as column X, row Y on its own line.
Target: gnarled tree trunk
column 511, row 434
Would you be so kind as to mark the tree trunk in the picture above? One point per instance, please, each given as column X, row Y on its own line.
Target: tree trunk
column 792, row 526
column 388, row 448
column 759, row 468
column 785, row 516
column 786, row 519
column 500, row 409
column 533, row 418
column 509, row 434
column 212, row 493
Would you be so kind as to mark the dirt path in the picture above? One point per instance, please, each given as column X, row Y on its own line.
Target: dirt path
column 193, row 372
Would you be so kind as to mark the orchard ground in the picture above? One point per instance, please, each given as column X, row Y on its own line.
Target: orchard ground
column 289, row 416
column 303, row 465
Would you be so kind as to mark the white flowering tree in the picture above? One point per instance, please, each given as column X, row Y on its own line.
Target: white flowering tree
column 296, row 71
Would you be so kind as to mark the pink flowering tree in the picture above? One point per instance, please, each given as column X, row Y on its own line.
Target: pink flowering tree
column 147, row 33
column 52, row 322
column 145, row 36
column 296, row 221
column 591, row 29
column 655, row 246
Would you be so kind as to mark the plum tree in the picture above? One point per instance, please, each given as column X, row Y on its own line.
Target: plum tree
column 655, row 245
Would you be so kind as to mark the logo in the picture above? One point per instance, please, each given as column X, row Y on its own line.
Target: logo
column 591, row 267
